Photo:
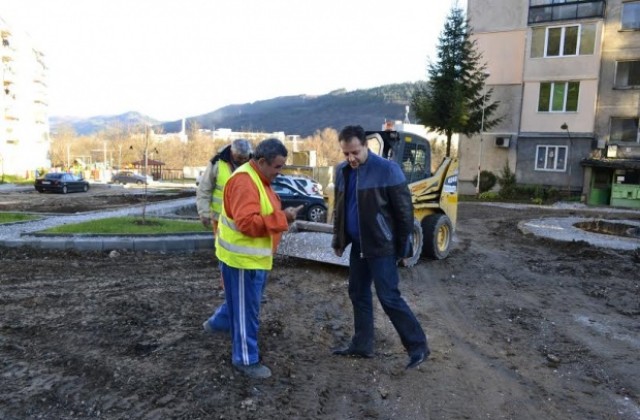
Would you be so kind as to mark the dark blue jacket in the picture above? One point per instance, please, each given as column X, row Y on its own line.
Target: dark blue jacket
column 384, row 207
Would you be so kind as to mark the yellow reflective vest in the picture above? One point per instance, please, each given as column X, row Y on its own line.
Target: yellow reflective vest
column 224, row 173
column 235, row 248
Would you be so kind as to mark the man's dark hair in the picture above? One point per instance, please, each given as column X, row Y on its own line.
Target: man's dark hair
column 352, row 131
column 269, row 149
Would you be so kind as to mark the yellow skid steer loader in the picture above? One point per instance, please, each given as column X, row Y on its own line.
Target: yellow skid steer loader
column 434, row 196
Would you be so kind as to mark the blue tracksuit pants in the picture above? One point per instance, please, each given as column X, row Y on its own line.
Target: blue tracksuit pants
column 240, row 313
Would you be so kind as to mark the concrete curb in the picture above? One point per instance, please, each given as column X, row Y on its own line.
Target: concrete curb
column 564, row 229
column 26, row 234
column 151, row 243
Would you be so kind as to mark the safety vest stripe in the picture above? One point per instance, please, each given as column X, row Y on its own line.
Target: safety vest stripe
column 228, row 223
column 219, row 187
column 260, row 252
column 217, row 200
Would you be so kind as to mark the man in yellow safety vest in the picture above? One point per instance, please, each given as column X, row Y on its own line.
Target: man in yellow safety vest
column 250, row 227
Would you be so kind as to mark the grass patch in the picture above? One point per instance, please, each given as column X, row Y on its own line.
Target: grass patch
column 17, row 180
column 131, row 226
column 16, row 217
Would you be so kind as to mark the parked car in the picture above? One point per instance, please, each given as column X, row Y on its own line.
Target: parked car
column 61, row 182
column 314, row 210
column 130, row 177
column 309, row 185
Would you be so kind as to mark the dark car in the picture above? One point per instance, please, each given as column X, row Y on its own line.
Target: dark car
column 61, row 182
column 310, row 185
column 314, row 210
column 129, row 177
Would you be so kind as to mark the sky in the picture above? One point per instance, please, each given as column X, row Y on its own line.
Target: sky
column 170, row 59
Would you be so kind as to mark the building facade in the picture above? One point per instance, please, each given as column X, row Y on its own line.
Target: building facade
column 567, row 75
column 24, row 119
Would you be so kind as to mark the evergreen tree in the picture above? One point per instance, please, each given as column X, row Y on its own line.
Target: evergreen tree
column 451, row 101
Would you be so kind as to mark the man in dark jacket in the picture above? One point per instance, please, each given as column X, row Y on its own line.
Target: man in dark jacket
column 373, row 213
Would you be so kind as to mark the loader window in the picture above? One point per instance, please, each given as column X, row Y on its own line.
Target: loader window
column 374, row 142
column 415, row 162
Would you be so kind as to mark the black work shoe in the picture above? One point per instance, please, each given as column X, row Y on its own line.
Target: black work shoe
column 416, row 358
column 348, row 351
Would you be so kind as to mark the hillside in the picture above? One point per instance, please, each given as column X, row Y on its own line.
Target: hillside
column 302, row 114
column 92, row 125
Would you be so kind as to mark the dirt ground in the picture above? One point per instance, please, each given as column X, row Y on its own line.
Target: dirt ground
column 519, row 328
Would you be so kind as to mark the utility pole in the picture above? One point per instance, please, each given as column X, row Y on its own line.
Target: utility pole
column 564, row 126
column 146, row 150
column 484, row 97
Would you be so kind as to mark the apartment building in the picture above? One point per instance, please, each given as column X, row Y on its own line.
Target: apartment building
column 613, row 175
column 24, row 121
column 567, row 75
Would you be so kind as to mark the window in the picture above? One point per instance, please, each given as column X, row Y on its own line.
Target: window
column 282, row 189
column 563, row 41
column 631, row 15
column 624, row 130
column 627, row 74
column 558, row 96
column 374, row 143
column 551, row 158
column 414, row 162
column 556, row 10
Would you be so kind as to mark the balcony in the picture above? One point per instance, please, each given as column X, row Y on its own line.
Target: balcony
column 541, row 11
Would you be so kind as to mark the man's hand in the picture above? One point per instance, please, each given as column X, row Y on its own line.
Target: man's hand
column 338, row 251
column 206, row 221
column 292, row 212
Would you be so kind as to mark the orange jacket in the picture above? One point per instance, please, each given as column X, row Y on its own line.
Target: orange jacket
column 242, row 204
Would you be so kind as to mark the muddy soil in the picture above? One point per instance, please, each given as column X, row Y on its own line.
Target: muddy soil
column 519, row 327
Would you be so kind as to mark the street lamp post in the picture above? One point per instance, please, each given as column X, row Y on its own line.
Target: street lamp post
column 565, row 127
column 484, row 96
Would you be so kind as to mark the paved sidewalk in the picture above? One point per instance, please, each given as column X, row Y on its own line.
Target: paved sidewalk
column 564, row 229
column 24, row 233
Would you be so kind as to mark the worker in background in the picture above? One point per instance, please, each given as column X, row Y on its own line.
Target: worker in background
column 209, row 203
column 373, row 213
column 250, row 226
column 219, row 169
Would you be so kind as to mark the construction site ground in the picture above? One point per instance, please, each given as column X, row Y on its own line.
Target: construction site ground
column 520, row 327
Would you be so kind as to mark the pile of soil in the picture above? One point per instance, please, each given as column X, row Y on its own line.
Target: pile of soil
column 519, row 328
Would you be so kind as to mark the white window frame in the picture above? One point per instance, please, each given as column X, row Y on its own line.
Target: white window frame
column 543, row 148
column 562, row 40
column 636, row 6
column 564, row 100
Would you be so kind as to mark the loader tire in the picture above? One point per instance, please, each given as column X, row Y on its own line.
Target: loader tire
column 417, row 245
column 438, row 232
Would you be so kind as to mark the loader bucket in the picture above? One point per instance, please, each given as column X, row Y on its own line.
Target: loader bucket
column 311, row 241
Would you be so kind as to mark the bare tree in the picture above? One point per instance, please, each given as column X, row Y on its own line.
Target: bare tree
column 325, row 144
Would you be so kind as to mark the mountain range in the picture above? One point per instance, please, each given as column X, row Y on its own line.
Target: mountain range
column 302, row 114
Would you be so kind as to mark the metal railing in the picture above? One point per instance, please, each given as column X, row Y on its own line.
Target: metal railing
column 545, row 11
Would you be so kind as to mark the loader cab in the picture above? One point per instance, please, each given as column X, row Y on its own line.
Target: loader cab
column 410, row 151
